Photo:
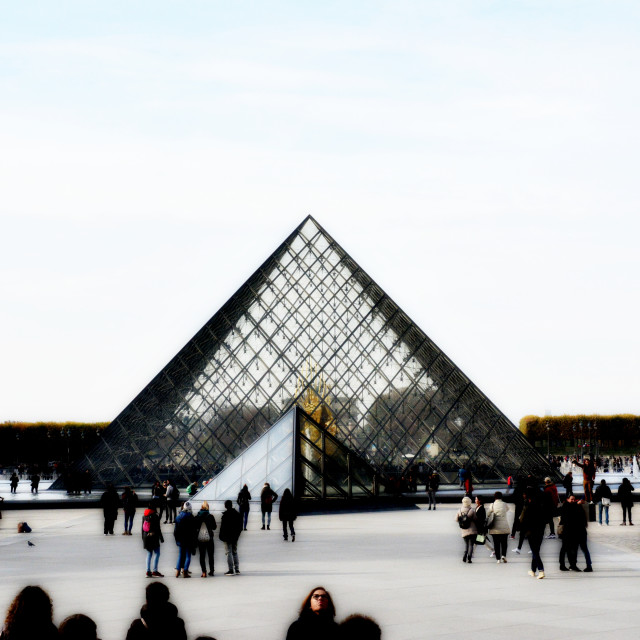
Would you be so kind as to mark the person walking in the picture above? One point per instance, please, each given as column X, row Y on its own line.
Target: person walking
column 498, row 526
column 466, row 519
column 533, row 524
column 244, row 499
column 151, row 539
column 230, row 530
column 550, row 505
column 481, row 525
column 184, row 533
column 287, row 514
column 129, row 504
column 626, row 500
column 109, row 501
column 267, row 497
column 205, row 526
column 603, row 497
column 433, row 484
column 316, row 620
column 567, row 483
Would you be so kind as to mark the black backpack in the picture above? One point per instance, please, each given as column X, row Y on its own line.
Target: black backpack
column 464, row 521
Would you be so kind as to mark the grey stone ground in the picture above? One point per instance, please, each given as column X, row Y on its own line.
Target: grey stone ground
column 402, row 567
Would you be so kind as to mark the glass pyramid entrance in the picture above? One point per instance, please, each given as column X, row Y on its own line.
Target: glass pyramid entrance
column 311, row 328
column 298, row 454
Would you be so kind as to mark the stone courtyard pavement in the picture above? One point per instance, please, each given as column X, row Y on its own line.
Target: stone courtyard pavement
column 402, row 567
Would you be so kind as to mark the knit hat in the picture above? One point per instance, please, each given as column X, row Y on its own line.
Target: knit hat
column 547, row 480
column 186, row 506
column 466, row 501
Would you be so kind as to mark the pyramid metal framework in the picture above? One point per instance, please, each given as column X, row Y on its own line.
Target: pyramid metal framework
column 310, row 327
column 297, row 453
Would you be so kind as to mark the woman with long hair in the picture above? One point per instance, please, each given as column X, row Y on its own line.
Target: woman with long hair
column 30, row 616
column 316, row 620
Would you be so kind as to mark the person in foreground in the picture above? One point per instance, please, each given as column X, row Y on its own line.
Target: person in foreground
column 317, row 618
column 30, row 615
column 361, row 627
column 78, row 627
column 158, row 617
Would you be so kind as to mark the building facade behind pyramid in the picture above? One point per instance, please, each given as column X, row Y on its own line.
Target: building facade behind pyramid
column 311, row 328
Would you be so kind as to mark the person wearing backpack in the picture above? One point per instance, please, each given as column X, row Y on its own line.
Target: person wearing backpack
column 466, row 519
column 151, row 539
column 205, row 526
column 185, row 534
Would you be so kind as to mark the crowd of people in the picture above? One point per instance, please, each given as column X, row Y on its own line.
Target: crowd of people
column 193, row 533
column 535, row 509
column 30, row 617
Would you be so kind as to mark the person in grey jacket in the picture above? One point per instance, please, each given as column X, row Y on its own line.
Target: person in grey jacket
column 499, row 526
column 466, row 519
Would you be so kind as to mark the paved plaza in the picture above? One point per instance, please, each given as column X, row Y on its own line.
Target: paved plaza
column 402, row 567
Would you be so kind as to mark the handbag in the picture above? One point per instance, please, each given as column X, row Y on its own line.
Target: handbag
column 490, row 518
column 480, row 539
column 606, row 502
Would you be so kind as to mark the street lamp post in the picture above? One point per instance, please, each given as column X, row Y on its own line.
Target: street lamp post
column 581, row 443
column 548, row 447
column 575, row 444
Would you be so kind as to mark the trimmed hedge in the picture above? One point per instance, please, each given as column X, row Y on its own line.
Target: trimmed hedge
column 610, row 431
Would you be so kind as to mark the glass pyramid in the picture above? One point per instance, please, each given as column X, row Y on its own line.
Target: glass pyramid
column 311, row 328
column 299, row 454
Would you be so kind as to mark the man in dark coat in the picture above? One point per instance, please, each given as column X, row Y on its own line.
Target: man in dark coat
column 109, row 501
column 267, row 497
column 574, row 535
column 230, row 530
column 158, row 617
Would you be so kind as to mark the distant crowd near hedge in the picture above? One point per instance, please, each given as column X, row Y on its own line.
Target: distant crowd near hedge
column 610, row 432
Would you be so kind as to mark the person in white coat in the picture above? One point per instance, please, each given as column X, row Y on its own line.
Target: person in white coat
column 499, row 526
column 466, row 519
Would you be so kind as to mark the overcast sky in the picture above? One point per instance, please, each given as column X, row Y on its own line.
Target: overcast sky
column 478, row 159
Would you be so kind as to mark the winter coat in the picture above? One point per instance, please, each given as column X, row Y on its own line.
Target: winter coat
column 129, row 502
column 473, row 529
column 151, row 539
column 243, row 500
column 481, row 520
column 532, row 519
column 603, row 491
column 161, row 622
column 573, row 520
column 287, row 510
column 551, row 497
column 230, row 526
column 500, row 522
column 624, row 494
column 267, row 498
column 184, row 530
column 110, row 501
column 205, row 518
column 312, row 626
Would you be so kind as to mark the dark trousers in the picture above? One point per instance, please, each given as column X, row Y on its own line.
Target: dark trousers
column 535, row 542
column 206, row 549
column 109, row 521
column 516, row 521
column 626, row 509
column 284, row 528
column 500, row 544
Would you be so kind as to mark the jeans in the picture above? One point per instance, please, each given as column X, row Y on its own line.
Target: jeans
column 284, row 528
column 155, row 564
column 128, row 521
column 432, row 498
column 469, row 542
column 606, row 512
column 245, row 517
column 184, row 557
column 231, row 549
column 268, row 514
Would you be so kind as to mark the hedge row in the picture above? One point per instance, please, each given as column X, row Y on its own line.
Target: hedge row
column 617, row 428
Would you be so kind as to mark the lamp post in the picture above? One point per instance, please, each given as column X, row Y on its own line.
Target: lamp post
column 548, row 447
column 575, row 444
column 581, row 444
column 589, row 436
